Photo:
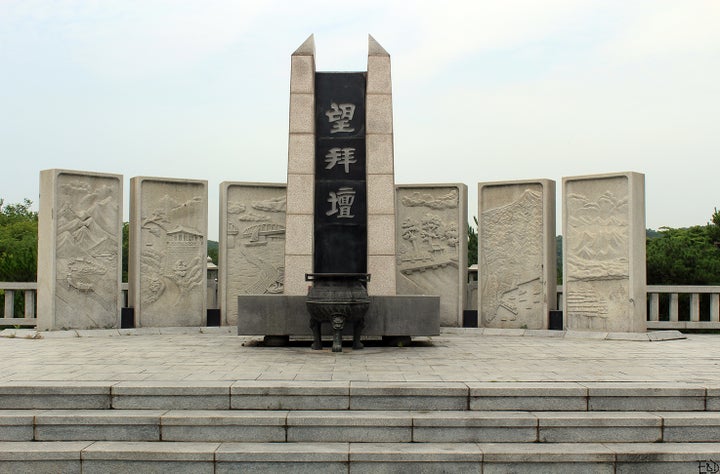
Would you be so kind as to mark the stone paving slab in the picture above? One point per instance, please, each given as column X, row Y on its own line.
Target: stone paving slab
column 224, row 425
column 98, row 425
column 42, row 451
column 292, row 395
column 17, row 425
column 546, row 453
column 408, row 396
column 188, row 395
column 283, row 452
column 53, row 394
column 359, row 426
column 643, row 396
column 415, row 452
column 599, row 427
column 454, row 356
column 665, row 458
column 691, row 427
column 527, row 396
column 133, row 457
column 497, row 426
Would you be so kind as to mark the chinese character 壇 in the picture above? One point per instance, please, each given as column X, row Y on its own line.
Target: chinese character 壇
column 341, row 202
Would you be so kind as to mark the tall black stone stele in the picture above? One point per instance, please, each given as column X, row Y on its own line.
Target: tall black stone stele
column 339, row 277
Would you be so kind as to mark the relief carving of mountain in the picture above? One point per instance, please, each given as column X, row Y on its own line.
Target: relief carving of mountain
column 78, row 233
column 597, row 238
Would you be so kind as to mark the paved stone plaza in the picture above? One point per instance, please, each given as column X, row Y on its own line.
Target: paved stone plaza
column 457, row 355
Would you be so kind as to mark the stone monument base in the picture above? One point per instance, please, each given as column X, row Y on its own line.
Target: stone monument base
column 287, row 315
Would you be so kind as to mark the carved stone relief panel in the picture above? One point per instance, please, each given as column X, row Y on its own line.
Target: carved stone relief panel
column 600, row 224
column 86, row 252
column 252, row 243
column 169, row 252
column 516, row 253
column 431, row 242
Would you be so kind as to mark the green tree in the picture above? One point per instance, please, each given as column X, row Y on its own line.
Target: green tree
column 686, row 256
column 714, row 227
column 18, row 248
column 472, row 247
column 18, row 242
column 213, row 249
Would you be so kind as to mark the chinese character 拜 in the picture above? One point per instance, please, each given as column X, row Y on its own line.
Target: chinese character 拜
column 340, row 116
column 344, row 156
column 341, row 202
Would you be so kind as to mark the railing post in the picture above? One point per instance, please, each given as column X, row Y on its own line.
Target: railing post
column 673, row 306
column 560, row 295
column 694, row 307
column 654, row 307
column 9, row 304
column 715, row 307
column 29, row 303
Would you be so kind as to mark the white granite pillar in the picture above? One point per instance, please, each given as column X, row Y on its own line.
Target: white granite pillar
column 380, row 172
column 604, row 252
column 516, row 253
column 301, row 170
column 79, row 250
column 431, row 239
column 252, row 243
column 168, row 252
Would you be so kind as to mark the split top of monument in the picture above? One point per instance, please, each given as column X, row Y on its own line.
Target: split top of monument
column 340, row 186
column 308, row 47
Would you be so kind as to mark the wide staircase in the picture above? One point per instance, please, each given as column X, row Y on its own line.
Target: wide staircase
column 275, row 426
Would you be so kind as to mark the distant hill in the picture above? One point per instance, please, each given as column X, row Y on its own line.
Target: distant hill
column 652, row 233
column 212, row 249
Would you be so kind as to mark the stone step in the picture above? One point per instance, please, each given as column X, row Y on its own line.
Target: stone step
column 358, row 395
column 191, row 457
column 296, row 426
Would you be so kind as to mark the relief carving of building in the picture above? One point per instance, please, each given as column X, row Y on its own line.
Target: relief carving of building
column 168, row 274
column 254, row 243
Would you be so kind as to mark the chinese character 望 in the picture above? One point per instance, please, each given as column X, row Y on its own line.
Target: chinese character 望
column 341, row 202
column 340, row 116
column 344, row 156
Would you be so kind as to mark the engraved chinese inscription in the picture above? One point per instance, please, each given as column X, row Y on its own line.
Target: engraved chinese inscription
column 340, row 200
column 340, row 116
column 341, row 203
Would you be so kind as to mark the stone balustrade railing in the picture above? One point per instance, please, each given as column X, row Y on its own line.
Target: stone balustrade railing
column 678, row 306
column 27, row 291
column 27, row 297
column 700, row 305
column 669, row 306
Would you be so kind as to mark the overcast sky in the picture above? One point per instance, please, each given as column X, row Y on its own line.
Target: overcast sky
column 482, row 90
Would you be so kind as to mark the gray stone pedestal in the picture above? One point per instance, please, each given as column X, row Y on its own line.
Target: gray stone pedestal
column 287, row 315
